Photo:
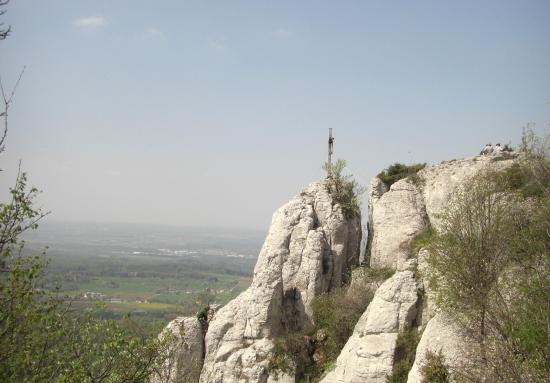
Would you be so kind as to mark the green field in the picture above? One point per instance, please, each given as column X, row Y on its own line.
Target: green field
column 158, row 288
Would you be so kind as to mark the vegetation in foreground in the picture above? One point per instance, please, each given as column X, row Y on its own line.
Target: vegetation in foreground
column 42, row 337
column 490, row 267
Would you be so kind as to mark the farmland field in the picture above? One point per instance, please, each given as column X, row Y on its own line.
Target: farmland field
column 154, row 272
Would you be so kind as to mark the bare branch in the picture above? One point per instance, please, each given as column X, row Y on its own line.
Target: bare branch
column 4, row 32
column 7, row 103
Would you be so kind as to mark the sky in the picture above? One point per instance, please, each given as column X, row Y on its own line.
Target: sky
column 215, row 113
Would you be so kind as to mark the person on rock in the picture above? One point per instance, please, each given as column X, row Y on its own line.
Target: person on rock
column 488, row 149
column 498, row 149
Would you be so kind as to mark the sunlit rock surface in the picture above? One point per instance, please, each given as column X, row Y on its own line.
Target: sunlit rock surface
column 310, row 248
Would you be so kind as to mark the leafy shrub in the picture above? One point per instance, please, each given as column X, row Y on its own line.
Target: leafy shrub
column 399, row 171
column 337, row 313
column 344, row 189
column 405, row 352
column 289, row 352
column 202, row 314
column 490, row 267
column 434, row 370
column 422, row 239
column 378, row 274
column 335, row 316
column 517, row 178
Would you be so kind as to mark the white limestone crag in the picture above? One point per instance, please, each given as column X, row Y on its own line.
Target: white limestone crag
column 368, row 355
column 185, row 351
column 441, row 334
column 310, row 249
column 397, row 214
column 397, row 217
column 439, row 181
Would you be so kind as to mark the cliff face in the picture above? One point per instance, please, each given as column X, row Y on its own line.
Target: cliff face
column 396, row 215
column 310, row 248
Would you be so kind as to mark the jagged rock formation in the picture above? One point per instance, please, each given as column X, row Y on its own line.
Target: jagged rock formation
column 396, row 217
column 309, row 249
column 439, row 181
column 185, row 353
column 369, row 353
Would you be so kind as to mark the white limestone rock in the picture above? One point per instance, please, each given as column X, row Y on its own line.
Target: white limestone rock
column 398, row 216
column 369, row 353
column 439, row 181
column 186, row 351
column 310, row 248
column 441, row 334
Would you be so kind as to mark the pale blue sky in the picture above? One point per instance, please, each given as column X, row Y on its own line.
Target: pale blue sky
column 216, row 113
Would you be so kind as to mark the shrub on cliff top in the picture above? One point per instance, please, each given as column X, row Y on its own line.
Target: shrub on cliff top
column 399, row 171
column 344, row 189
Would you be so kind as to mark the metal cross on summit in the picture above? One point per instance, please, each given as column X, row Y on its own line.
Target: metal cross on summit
column 330, row 151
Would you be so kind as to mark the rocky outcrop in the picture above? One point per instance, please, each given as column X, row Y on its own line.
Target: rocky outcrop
column 439, row 181
column 186, row 348
column 441, row 334
column 368, row 355
column 310, row 249
column 397, row 216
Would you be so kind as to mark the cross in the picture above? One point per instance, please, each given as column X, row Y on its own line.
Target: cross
column 330, row 151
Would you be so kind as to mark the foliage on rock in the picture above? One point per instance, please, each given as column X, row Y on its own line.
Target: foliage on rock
column 490, row 267
column 434, row 369
column 405, row 352
column 335, row 315
column 397, row 171
column 344, row 189
column 42, row 338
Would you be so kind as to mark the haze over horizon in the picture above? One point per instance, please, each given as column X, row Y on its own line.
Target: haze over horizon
column 216, row 113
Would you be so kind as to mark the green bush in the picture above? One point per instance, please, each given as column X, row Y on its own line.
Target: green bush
column 290, row 351
column 405, row 352
column 422, row 239
column 490, row 267
column 399, row 171
column 378, row 274
column 344, row 189
column 434, row 370
column 335, row 316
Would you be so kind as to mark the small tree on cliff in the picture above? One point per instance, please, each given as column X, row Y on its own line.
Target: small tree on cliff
column 344, row 189
column 490, row 267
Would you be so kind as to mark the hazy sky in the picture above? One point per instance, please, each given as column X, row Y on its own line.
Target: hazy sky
column 215, row 113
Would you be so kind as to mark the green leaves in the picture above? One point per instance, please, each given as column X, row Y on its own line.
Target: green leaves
column 344, row 189
column 399, row 171
column 42, row 338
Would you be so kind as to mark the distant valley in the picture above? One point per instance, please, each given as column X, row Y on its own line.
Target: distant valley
column 155, row 272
